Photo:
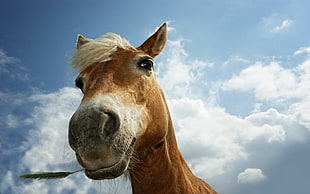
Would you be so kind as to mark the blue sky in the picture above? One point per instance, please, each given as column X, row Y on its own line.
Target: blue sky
column 235, row 74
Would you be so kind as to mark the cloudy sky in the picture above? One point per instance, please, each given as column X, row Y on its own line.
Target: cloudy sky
column 236, row 76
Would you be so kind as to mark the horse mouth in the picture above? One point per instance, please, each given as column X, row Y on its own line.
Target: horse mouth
column 108, row 173
column 116, row 169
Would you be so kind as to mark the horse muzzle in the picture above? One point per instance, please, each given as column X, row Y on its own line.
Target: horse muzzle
column 102, row 145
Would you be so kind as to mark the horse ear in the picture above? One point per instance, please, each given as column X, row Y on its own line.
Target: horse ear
column 81, row 40
column 155, row 43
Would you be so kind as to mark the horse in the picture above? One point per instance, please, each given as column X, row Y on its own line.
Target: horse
column 123, row 124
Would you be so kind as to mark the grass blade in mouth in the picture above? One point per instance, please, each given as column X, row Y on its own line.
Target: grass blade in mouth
column 48, row 175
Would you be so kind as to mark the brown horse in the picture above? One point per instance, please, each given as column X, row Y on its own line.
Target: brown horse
column 123, row 122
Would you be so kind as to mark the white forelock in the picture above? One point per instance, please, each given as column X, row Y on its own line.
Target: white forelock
column 97, row 50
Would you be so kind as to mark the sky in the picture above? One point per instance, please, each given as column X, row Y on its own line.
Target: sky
column 236, row 75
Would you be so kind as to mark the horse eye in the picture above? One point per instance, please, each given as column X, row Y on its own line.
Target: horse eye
column 79, row 83
column 146, row 64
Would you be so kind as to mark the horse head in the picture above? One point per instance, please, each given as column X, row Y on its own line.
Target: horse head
column 123, row 110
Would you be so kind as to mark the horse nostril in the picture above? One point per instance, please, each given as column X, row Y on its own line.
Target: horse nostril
column 110, row 125
column 92, row 126
column 79, row 82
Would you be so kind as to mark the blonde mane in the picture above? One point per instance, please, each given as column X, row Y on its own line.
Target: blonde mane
column 97, row 50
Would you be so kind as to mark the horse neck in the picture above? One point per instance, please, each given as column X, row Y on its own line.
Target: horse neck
column 164, row 170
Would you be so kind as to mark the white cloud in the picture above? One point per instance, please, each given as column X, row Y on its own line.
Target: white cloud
column 209, row 137
column 214, row 141
column 284, row 24
column 10, row 66
column 50, row 119
column 7, row 181
column 12, row 121
column 234, row 59
column 275, row 23
column 270, row 82
column 302, row 50
column 251, row 175
column 257, row 107
column 282, row 127
column 176, row 72
column 300, row 111
column 5, row 59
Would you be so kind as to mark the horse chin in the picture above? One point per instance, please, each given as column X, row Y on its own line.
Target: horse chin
column 115, row 170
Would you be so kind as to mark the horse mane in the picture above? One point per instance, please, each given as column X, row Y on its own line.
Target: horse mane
column 97, row 50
